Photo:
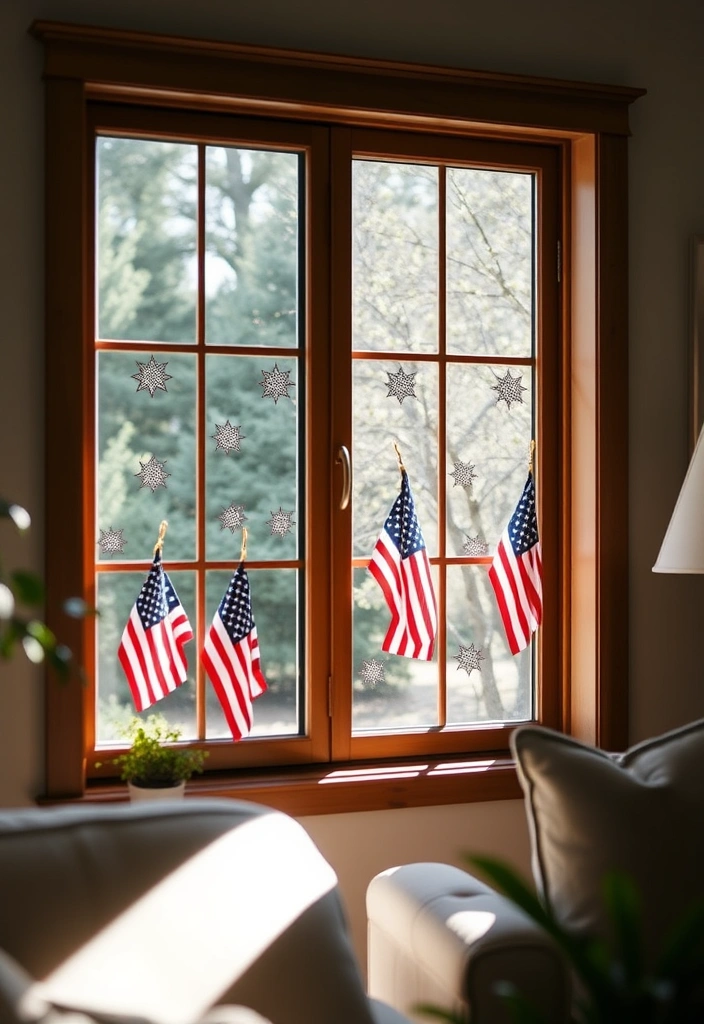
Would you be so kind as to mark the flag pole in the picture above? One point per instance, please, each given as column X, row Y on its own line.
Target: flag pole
column 163, row 527
column 402, row 468
column 243, row 549
column 530, row 457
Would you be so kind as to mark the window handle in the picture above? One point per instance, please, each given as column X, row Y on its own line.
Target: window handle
column 343, row 456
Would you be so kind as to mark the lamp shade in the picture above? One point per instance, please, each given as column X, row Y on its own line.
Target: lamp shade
column 683, row 547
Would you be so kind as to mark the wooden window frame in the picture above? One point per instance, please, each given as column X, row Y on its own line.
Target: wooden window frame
column 542, row 162
column 589, row 124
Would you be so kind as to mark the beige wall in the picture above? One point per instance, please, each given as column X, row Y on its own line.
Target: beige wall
column 360, row 845
column 647, row 43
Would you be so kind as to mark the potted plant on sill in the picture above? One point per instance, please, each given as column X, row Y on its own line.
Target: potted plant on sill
column 154, row 768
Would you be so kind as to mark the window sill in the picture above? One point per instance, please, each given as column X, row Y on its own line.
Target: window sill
column 345, row 788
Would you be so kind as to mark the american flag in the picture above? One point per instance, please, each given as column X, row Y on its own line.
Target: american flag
column 231, row 655
column 151, row 648
column 516, row 573
column 400, row 566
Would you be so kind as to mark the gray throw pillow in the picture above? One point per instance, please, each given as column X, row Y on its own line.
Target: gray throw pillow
column 641, row 812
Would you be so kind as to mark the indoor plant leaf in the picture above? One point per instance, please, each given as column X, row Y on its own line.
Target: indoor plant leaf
column 624, row 908
column 27, row 587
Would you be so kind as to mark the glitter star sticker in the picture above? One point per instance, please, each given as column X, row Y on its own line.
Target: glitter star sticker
column 112, row 542
column 464, row 474
column 276, row 383
column 473, row 547
column 401, row 385
column 152, row 474
column 152, row 376
column 469, row 658
column 227, row 438
column 232, row 518
column 509, row 389
column 372, row 672
column 280, row 522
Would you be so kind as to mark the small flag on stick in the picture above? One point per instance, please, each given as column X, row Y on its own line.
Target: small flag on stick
column 400, row 566
column 231, row 655
column 516, row 572
column 151, row 648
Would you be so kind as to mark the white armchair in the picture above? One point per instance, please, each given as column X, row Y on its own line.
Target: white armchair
column 437, row 934
column 217, row 911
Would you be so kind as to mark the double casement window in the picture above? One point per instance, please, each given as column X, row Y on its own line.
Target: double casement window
column 276, row 304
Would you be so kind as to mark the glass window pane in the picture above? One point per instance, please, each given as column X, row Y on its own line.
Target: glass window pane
column 388, row 691
column 379, row 420
column 395, row 257
column 252, row 457
column 146, row 245
column 251, row 247
column 489, row 262
column 488, row 449
column 146, row 454
column 485, row 682
column 275, row 609
column 116, row 595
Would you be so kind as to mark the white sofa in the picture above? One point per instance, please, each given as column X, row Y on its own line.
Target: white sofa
column 173, row 913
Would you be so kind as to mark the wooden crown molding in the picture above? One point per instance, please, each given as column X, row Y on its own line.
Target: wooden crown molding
column 160, row 64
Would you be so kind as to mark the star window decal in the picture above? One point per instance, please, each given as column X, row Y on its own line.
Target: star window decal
column 509, row 389
column 276, row 383
column 227, row 438
column 232, row 518
column 112, row 542
column 152, row 376
column 473, row 547
column 469, row 658
column 152, row 474
column 464, row 474
column 280, row 522
column 401, row 385
column 372, row 672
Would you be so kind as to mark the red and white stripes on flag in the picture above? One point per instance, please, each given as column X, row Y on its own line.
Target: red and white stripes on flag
column 516, row 573
column 400, row 566
column 151, row 648
column 231, row 655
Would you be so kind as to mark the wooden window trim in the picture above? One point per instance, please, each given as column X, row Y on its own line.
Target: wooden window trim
column 590, row 123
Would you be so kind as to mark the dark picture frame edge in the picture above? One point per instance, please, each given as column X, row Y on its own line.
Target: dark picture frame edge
column 696, row 334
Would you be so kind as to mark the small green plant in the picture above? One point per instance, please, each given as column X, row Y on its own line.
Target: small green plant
column 21, row 598
column 615, row 984
column 152, row 760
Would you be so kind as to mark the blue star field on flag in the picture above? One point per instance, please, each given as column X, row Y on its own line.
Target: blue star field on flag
column 157, row 597
column 523, row 525
column 402, row 523
column 236, row 607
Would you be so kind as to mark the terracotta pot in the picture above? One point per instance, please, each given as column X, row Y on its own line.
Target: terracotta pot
column 175, row 792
